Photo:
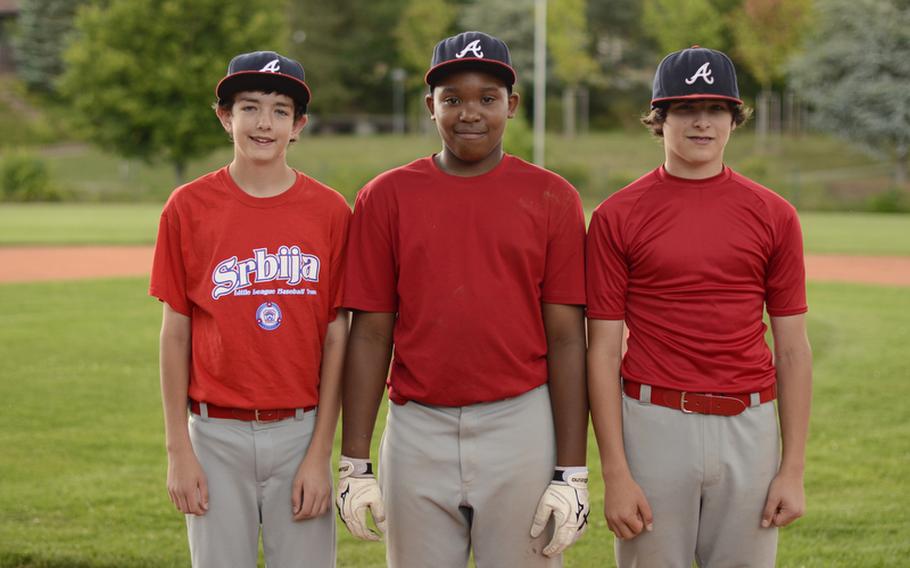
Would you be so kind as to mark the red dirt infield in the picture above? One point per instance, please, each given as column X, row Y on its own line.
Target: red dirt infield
column 34, row 264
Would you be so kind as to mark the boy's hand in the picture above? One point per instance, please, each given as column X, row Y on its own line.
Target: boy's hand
column 566, row 500
column 625, row 507
column 311, row 493
column 357, row 492
column 786, row 500
column 186, row 483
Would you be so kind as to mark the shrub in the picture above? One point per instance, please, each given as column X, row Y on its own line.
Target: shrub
column 892, row 201
column 519, row 138
column 576, row 173
column 24, row 177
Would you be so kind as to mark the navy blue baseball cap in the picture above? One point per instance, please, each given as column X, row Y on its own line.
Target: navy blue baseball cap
column 264, row 71
column 471, row 50
column 695, row 73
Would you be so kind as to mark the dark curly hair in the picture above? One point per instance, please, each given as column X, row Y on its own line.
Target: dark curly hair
column 654, row 120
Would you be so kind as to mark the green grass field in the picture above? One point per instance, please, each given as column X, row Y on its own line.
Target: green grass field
column 83, row 463
column 136, row 223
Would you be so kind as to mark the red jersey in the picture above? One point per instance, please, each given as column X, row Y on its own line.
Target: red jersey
column 466, row 263
column 690, row 265
column 260, row 278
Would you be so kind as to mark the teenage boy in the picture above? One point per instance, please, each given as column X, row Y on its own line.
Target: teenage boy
column 471, row 262
column 248, row 264
column 689, row 256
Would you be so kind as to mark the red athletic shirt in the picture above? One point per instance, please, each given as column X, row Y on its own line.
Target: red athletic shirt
column 690, row 265
column 466, row 263
column 260, row 279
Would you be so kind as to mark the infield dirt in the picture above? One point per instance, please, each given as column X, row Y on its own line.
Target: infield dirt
column 34, row 264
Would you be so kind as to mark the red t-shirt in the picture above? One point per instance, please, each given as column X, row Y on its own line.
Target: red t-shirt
column 466, row 263
column 260, row 278
column 690, row 265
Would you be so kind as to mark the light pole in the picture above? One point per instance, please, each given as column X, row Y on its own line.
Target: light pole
column 540, row 79
column 398, row 77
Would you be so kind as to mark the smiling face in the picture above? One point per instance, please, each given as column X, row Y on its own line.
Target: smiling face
column 695, row 133
column 261, row 125
column 470, row 109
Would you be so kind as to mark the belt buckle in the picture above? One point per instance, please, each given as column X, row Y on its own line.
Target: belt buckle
column 265, row 413
column 682, row 404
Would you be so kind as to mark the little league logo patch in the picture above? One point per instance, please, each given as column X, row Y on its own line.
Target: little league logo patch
column 268, row 316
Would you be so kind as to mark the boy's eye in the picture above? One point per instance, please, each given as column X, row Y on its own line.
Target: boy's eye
column 488, row 99
column 247, row 107
column 282, row 112
column 450, row 100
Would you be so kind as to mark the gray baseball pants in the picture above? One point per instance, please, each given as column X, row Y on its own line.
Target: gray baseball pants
column 706, row 479
column 250, row 467
column 457, row 478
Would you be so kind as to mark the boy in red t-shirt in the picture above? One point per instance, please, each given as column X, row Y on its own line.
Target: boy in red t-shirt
column 248, row 263
column 472, row 263
column 688, row 257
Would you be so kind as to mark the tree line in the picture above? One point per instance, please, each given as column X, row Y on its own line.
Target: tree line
column 139, row 74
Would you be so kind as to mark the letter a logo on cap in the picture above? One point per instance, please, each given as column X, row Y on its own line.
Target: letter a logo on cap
column 704, row 72
column 473, row 47
column 274, row 67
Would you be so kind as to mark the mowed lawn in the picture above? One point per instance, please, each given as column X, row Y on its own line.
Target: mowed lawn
column 136, row 223
column 83, row 463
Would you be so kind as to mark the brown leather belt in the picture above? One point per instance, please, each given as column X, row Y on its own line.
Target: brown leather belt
column 270, row 415
column 701, row 403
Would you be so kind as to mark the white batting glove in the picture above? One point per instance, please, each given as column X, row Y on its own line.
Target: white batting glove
column 566, row 499
column 357, row 492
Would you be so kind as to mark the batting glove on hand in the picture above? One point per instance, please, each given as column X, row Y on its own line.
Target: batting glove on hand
column 357, row 492
column 566, row 499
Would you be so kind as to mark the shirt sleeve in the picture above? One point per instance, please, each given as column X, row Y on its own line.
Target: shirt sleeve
column 785, row 279
column 168, row 281
column 564, row 275
column 371, row 275
column 606, row 267
column 338, row 262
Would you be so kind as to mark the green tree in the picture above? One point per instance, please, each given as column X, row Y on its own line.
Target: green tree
column 348, row 46
column 315, row 28
column 513, row 23
column 423, row 24
column 41, row 28
column 767, row 33
column 569, row 45
column 678, row 24
column 855, row 72
column 141, row 73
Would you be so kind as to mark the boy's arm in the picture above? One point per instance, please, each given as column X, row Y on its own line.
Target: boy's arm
column 312, row 488
column 625, row 507
column 793, row 360
column 186, row 482
column 566, row 497
column 565, row 330
column 365, row 371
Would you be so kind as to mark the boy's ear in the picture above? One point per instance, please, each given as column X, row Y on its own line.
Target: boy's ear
column 298, row 126
column 226, row 118
column 514, row 99
column 430, row 106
